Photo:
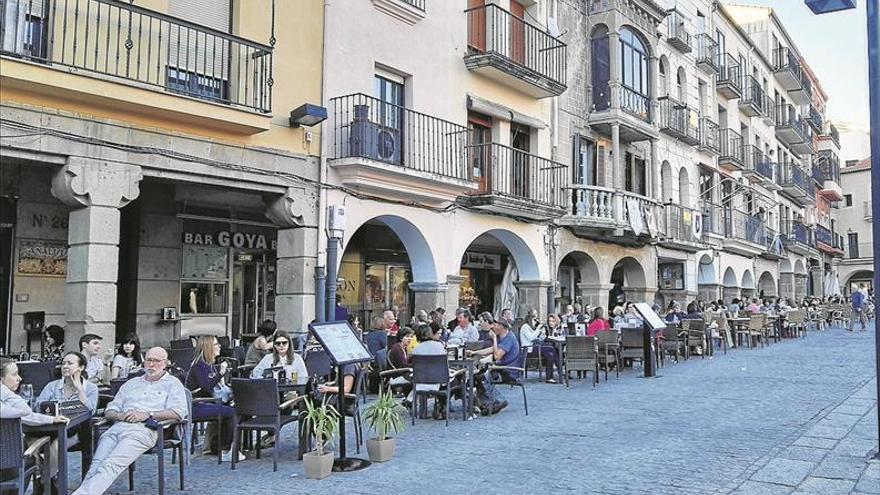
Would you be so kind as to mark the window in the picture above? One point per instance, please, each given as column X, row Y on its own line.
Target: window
column 721, row 48
column 390, row 92
column 195, row 84
column 203, row 297
column 480, row 129
column 601, row 68
column 847, row 200
column 706, row 185
column 585, row 172
column 853, row 242
column 634, row 73
column 635, row 174
column 681, row 85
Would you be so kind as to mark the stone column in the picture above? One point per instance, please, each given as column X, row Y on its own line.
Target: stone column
column 96, row 190
column 709, row 292
column 728, row 293
column 594, row 294
column 453, row 285
column 295, row 214
column 640, row 294
column 786, row 285
column 429, row 296
column 614, row 82
column 532, row 295
column 817, row 275
column 800, row 286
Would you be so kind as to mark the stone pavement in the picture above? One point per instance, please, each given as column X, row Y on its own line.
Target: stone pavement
column 795, row 417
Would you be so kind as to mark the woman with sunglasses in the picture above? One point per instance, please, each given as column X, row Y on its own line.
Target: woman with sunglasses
column 205, row 380
column 282, row 356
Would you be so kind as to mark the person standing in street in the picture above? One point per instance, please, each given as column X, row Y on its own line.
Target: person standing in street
column 858, row 309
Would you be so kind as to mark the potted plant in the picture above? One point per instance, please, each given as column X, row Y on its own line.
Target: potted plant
column 383, row 417
column 324, row 422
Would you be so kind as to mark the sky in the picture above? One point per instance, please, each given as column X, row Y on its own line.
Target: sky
column 835, row 47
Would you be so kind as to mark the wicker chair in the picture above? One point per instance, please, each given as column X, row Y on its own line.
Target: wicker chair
column 609, row 350
column 797, row 323
column 694, row 336
column 14, row 457
column 581, row 354
column 257, row 409
column 631, row 345
column 670, row 342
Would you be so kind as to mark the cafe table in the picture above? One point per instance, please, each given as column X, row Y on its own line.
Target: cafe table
column 59, row 431
column 470, row 366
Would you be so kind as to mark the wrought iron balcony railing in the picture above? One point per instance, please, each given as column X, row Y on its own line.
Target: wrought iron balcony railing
column 679, row 35
column 518, row 175
column 706, row 52
column 635, row 103
column 678, row 223
column 139, row 46
column 709, row 136
column 792, row 175
column 366, row 127
column 678, row 120
column 745, row 227
column 729, row 79
column 827, row 166
column 731, row 148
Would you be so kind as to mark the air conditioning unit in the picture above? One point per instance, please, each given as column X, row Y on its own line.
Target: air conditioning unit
column 372, row 140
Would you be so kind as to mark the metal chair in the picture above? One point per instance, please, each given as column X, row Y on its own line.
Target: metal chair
column 631, row 345
column 430, row 371
column 257, row 408
column 182, row 358
column 671, row 342
column 609, row 350
column 318, row 363
column 797, row 323
column 13, row 456
column 181, row 344
column 694, row 336
column 514, row 376
column 581, row 354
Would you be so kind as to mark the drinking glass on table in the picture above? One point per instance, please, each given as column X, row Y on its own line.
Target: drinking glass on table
column 27, row 393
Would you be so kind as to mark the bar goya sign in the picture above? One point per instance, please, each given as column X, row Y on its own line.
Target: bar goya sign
column 224, row 238
column 42, row 258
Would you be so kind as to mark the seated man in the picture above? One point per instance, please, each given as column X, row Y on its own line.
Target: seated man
column 505, row 350
column 90, row 346
column 140, row 402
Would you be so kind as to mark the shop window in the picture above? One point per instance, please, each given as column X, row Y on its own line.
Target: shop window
column 203, row 297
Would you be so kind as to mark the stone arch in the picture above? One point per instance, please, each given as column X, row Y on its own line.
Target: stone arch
column 421, row 257
column 730, row 278
column 767, row 285
column 799, row 268
column 587, row 266
column 684, row 188
column 578, row 278
column 785, row 266
column 706, row 271
column 525, row 259
column 858, row 276
column 748, row 281
column 666, row 181
column 633, row 272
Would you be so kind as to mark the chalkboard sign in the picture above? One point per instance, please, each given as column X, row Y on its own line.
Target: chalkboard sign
column 340, row 342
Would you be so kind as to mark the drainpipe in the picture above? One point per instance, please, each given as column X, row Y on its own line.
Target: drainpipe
column 320, row 280
column 873, row 83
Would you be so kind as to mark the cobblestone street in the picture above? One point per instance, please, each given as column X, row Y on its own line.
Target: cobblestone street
column 796, row 417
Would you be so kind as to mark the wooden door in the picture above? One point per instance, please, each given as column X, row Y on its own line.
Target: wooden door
column 517, row 32
column 477, row 25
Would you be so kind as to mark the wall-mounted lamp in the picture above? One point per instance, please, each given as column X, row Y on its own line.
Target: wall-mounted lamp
column 307, row 115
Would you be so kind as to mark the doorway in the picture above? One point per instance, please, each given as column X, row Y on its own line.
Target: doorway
column 7, row 235
column 253, row 292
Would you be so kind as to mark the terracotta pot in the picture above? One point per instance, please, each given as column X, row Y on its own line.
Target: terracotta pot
column 318, row 467
column 381, row 450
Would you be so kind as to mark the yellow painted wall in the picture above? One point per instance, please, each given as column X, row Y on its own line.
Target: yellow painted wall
column 296, row 73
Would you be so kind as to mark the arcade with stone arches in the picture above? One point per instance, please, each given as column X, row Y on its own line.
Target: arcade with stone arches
column 598, row 281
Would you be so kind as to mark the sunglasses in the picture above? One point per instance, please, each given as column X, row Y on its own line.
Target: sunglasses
column 279, row 343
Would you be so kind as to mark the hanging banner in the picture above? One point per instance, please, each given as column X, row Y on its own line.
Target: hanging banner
column 696, row 224
column 636, row 221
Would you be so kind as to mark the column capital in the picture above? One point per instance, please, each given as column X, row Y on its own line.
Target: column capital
column 84, row 182
column 428, row 287
column 532, row 284
column 295, row 208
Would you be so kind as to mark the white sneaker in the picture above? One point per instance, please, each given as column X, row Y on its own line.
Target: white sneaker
column 227, row 456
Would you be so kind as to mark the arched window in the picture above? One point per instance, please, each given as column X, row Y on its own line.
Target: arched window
column 681, row 85
column 600, row 68
column 663, row 83
column 634, row 73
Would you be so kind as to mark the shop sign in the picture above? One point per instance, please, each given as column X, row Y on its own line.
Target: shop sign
column 42, row 258
column 481, row 260
column 223, row 238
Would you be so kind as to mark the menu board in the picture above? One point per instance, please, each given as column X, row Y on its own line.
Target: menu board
column 650, row 316
column 340, row 342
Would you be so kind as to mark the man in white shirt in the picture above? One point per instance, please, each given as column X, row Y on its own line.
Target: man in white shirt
column 465, row 332
column 90, row 346
column 156, row 396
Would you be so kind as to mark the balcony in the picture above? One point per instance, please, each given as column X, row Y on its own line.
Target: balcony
column 706, row 49
column 799, row 239
column 757, row 166
column 678, row 36
column 513, row 52
column 730, row 155
column 788, row 71
column 396, row 152
column 630, row 110
column 797, row 185
column 753, row 100
column 827, row 241
column 775, row 249
column 792, row 130
column 679, row 121
column 514, row 182
column 729, row 81
column 713, row 220
column 676, row 226
column 745, row 234
column 826, row 169
column 769, row 114
column 815, row 120
column 709, row 137
column 115, row 54
column 834, row 134
column 608, row 214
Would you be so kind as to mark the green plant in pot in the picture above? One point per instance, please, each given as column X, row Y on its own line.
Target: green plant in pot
column 323, row 421
column 383, row 417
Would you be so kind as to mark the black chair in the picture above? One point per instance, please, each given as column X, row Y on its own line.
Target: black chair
column 196, row 423
column 173, row 435
column 224, row 341
column 433, row 370
column 257, row 409
column 181, row 344
column 581, row 355
column 507, row 378
column 632, row 346
column 13, row 457
column 182, row 358
column 318, row 363
column 38, row 374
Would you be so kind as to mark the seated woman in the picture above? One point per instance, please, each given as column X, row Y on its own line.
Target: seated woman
column 531, row 337
column 674, row 313
column 553, row 328
column 399, row 355
column 205, row 380
column 598, row 323
column 13, row 406
column 282, row 356
column 261, row 345
column 54, row 343
column 128, row 358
